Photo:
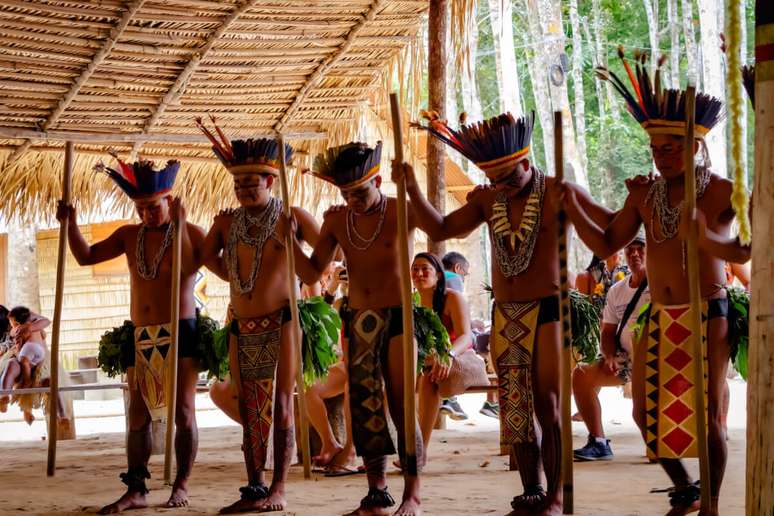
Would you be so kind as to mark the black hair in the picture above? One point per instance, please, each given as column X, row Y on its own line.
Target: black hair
column 453, row 258
column 5, row 325
column 20, row 314
column 439, row 294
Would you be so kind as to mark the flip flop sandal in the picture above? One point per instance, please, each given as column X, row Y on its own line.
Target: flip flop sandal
column 335, row 470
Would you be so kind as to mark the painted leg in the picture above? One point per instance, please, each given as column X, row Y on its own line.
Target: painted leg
column 186, row 431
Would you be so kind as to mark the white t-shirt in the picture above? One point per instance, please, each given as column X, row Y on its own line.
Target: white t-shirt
column 617, row 300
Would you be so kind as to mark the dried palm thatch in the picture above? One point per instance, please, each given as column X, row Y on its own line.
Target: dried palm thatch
column 132, row 75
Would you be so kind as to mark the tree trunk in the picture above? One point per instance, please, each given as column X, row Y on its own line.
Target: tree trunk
column 600, row 44
column 674, row 44
column 438, row 30
column 689, row 36
column 539, row 79
column 452, row 79
column 471, row 102
column 760, row 382
column 22, row 285
column 651, row 13
column 713, row 78
column 551, row 35
column 505, row 56
column 577, row 82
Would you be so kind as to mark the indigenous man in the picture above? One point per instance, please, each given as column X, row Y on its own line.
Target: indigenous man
column 525, row 342
column 367, row 232
column 261, row 332
column 662, row 384
column 623, row 304
column 145, row 246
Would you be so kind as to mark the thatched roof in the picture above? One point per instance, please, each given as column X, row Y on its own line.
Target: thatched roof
column 132, row 75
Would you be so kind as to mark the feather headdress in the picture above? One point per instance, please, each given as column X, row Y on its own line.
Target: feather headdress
column 495, row 145
column 348, row 166
column 251, row 156
column 659, row 110
column 140, row 180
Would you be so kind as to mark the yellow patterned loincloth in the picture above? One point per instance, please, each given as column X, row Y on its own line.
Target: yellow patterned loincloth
column 670, row 395
column 151, row 361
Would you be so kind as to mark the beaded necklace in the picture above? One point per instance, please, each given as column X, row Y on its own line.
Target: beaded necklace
column 142, row 267
column 266, row 223
column 352, row 229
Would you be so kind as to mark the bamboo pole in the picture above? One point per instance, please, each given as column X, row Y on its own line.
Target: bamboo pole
column 53, row 393
column 694, row 289
column 174, row 310
column 409, row 354
column 306, row 452
column 564, row 301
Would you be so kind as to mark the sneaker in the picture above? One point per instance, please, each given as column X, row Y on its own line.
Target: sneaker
column 451, row 408
column 490, row 409
column 594, row 450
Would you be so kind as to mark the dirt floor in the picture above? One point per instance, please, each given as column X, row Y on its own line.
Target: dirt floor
column 464, row 475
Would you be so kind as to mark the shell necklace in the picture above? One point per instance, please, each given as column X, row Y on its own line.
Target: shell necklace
column 352, row 229
column 142, row 267
column 266, row 223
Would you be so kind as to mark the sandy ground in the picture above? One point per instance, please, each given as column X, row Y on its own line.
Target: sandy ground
column 464, row 475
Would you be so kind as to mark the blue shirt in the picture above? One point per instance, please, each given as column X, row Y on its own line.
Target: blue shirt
column 454, row 281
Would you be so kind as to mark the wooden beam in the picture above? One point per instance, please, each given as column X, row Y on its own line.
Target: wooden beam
column 438, row 32
column 99, row 57
column 178, row 88
column 97, row 138
column 326, row 65
column 759, row 497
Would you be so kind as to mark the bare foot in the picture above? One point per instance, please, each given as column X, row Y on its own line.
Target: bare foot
column 326, row 456
column 130, row 500
column 178, row 497
column 242, row 505
column 29, row 418
column 577, row 417
column 4, row 403
column 679, row 510
column 555, row 509
column 409, row 507
column 275, row 502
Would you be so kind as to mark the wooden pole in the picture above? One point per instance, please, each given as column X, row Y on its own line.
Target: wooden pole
column 174, row 311
column 437, row 34
column 564, row 302
column 306, row 453
column 409, row 352
column 53, row 393
column 759, row 497
column 694, row 289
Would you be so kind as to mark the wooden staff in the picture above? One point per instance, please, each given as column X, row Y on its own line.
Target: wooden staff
column 295, row 324
column 564, row 303
column 174, row 311
column 409, row 353
column 53, row 393
column 694, row 289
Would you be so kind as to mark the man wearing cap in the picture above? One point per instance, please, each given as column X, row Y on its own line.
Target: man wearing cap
column 367, row 232
column 261, row 348
column 146, row 246
column 663, row 366
column 526, row 336
column 623, row 304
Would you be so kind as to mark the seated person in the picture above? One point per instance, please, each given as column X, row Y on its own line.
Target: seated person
column 622, row 306
column 427, row 275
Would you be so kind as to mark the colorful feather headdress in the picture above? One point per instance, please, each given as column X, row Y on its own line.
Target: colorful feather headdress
column 659, row 110
column 748, row 79
column 348, row 166
column 495, row 145
column 259, row 156
column 140, row 180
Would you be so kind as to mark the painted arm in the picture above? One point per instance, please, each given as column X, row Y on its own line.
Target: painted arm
column 460, row 316
column 310, row 269
column 85, row 254
column 438, row 227
column 603, row 242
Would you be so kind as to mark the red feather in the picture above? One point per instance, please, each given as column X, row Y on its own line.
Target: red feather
column 632, row 79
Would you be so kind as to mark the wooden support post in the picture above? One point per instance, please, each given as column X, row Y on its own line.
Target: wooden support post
column 409, row 350
column 295, row 325
column 438, row 32
column 174, row 310
column 564, row 300
column 759, row 497
column 53, row 393
column 694, row 290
